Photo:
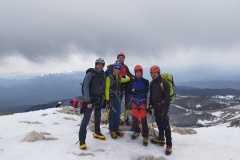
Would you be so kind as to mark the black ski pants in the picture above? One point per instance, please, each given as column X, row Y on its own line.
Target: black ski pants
column 163, row 128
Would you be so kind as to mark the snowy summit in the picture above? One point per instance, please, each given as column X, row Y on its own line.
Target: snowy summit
column 49, row 135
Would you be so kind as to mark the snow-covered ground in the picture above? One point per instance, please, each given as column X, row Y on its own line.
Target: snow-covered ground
column 212, row 143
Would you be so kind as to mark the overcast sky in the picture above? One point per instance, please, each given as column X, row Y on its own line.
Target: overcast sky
column 62, row 35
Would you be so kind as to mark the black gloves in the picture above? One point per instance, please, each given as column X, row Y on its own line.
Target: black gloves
column 150, row 109
column 83, row 107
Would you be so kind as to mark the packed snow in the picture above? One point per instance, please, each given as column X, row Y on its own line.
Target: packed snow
column 228, row 97
column 217, row 113
column 56, row 73
column 61, row 134
column 198, row 106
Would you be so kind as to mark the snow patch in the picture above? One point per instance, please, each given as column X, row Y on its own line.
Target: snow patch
column 56, row 73
column 198, row 106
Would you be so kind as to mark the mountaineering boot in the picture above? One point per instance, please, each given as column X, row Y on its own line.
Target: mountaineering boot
column 113, row 135
column 168, row 150
column 119, row 133
column 121, row 122
column 145, row 141
column 83, row 145
column 134, row 135
column 99, row 136
column 158, row 141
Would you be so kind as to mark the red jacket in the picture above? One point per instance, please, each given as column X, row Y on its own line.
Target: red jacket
column 125, row 71
column 74, row 102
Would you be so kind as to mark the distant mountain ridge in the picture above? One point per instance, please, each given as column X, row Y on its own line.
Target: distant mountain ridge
column 234, row 84
column 39, row 90
column 17, row 95
column 190, row 91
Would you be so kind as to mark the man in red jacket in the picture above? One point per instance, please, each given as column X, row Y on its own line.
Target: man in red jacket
column 123, row 72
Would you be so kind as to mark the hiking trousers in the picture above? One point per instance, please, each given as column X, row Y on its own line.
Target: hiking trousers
column 163, row 128
column 114, row 114
column 139, row 113
column 85, row 121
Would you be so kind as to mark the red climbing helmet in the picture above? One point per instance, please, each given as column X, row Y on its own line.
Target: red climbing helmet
column 155, row 69
column 138, row 68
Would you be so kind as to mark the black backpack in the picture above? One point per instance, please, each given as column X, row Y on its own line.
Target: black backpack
column 109, row 70
column 88, row 70
column 95, row 74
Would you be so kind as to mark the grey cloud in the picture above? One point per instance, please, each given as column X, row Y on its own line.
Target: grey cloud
column 42, row 29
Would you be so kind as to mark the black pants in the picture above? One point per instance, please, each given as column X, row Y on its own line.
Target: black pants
column 85, row 121
column 164, row 129
column 144, row 126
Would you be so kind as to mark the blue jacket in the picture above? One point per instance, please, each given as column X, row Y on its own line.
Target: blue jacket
column 141, row 87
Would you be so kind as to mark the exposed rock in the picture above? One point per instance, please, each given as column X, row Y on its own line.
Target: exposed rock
column 70, row 110
column 183, row 131
column 125, row 127
column 99, row 150
column 55, row 123
column 149, row 157
column 28, row 122
column 37, row 136
column 84, row 154
column 183, row 120
column 68, row 118
column 91, row 127
column 235, row 123
column 103, row 117
column 45, row 114
column 153, row 132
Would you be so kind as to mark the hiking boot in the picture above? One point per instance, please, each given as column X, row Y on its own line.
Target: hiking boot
column 113, row 135
column 158, row 141
column 83, row 145
column 168, row 150
column 99, row 136
column 134, row 135
column 145, row 141
column 119, row 133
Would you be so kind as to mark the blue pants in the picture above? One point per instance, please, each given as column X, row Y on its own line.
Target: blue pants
column 114, row 114
column 85, row 121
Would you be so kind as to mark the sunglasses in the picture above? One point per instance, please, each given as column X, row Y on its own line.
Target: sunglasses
column 117, row 68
